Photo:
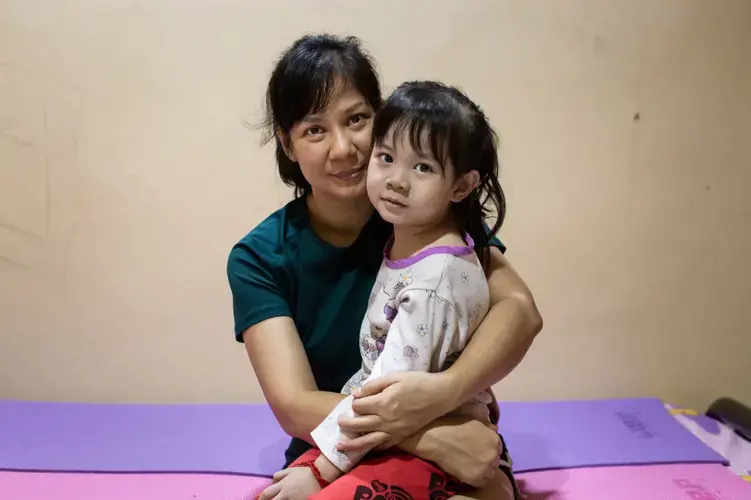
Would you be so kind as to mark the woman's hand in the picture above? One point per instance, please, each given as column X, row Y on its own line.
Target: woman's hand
column 466, row 448
column 396, row 406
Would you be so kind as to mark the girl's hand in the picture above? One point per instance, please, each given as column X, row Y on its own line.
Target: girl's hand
column 395, row 406
column 294, row 483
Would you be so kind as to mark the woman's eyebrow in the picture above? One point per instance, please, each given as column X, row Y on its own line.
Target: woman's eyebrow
column 349, row 109
column 354, row 106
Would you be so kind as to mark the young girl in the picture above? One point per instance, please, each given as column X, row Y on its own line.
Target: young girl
column 432, row 174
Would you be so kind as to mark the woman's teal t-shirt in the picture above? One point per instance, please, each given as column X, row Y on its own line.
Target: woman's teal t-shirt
column 282, row 268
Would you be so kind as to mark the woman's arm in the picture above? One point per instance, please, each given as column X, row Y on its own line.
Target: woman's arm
column 284, row 373
column 502, row 339
column 462, row 446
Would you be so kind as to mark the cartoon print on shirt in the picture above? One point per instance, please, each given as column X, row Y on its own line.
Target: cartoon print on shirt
column 341, row 455
column 406, row 277
column 388, row 308
column 380, row 343
column 410, row 352
column 474, row 314
column 368, row 349
column 354, row 382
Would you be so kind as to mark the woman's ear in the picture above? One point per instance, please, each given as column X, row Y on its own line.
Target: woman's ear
column 286, row 144
column 464, row 185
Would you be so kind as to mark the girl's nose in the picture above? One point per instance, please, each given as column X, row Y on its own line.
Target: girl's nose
column 396, row 183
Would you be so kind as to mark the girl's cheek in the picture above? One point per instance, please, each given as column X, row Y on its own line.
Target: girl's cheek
column 371, row 187
column 371, row 176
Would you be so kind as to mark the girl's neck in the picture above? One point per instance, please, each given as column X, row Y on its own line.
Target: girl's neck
column 408, row 240
column 339, row 222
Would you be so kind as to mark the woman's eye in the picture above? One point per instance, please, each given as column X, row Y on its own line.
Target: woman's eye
column 386, row 158
column 314, row 130
column 422, row 167
column 358, row 118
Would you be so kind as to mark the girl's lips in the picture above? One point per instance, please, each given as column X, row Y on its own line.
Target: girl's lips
column 393, row 203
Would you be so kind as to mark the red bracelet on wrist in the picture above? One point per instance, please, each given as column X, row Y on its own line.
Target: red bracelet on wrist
column 316, row 473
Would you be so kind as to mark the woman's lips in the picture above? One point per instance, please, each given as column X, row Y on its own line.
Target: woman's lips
column 349, row 174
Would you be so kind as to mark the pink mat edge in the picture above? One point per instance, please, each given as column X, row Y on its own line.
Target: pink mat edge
column 668, row 482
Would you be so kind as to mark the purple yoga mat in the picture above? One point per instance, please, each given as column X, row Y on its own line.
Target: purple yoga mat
column 72, row 437
column 245, row 439
column 567, row 434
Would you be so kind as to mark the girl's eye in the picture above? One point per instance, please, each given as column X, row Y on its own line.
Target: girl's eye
column 423, row 168
column 314, row 130
column 386, row 158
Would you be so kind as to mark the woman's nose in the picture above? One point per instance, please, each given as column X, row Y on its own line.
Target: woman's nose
column 342, row 146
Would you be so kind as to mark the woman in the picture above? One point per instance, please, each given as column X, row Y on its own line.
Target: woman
column 301, row 280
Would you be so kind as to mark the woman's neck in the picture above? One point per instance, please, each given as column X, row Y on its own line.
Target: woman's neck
column 408, row 240
column 339, row 222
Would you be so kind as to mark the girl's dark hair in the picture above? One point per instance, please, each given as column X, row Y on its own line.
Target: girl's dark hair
column 456, row 130
column 305, row 80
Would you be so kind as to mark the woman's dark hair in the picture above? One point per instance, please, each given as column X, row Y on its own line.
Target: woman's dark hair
column 305, row 80
column 457, row 130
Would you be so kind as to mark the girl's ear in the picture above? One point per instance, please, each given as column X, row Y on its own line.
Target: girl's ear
column 286, row 144
column 464, row 185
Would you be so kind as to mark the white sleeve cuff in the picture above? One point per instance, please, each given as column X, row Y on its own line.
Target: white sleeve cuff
column 327, row 435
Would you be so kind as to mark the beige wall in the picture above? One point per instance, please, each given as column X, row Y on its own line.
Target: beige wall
column 126, row 175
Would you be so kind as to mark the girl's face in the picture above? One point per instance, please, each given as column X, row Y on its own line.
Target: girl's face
column 332, row 147
column 412, row 189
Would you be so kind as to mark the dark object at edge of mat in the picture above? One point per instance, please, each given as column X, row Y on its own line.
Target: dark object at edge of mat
column 732, row 413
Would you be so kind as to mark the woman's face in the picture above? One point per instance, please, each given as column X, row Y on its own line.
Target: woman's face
column 332, row 147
